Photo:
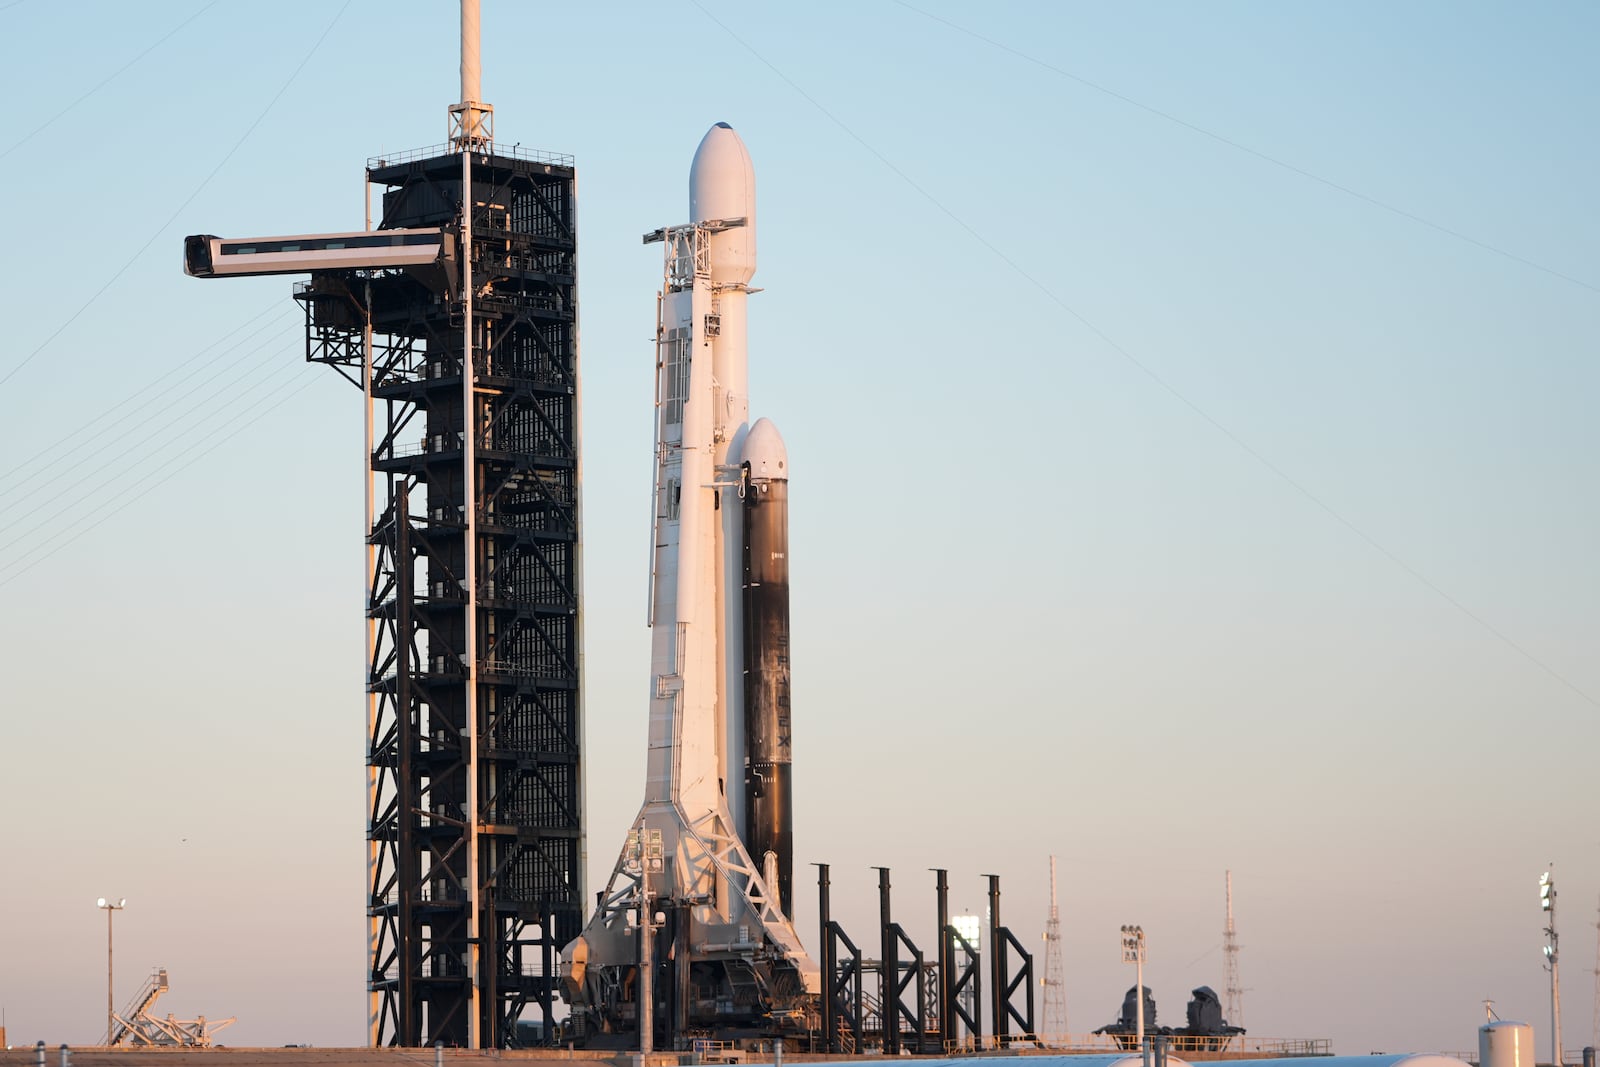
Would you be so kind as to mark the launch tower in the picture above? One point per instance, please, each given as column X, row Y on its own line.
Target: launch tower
column 457, row 317
column 474, row 817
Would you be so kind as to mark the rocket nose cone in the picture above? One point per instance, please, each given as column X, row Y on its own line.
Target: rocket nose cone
column 722, row 181
column 722, row 185
column 764, row 450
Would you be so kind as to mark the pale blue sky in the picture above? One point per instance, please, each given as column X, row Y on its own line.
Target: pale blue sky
column 1322, row 608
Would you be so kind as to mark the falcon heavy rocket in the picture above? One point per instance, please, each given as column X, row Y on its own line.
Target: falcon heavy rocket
column 693, row 929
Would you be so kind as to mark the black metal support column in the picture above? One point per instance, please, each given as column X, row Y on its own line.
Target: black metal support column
column 899, row 980
column 825, row 946
column 997, row 1010
column 842, row 1006
column 1008, row 981
column 888, row 970
column 946, row 952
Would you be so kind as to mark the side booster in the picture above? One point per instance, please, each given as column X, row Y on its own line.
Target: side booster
column 692, row 932
column 769, row 827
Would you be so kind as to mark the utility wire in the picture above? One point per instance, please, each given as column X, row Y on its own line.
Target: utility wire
column 1152, row 374
column 99, row 424
column 182, row 439
column 150, row 415
column 205, row 408
column 105, row 81
column 1247, row 150
column 187, row 201
column 194, row 457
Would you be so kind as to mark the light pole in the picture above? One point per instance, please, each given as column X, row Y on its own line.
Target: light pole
column 1133, row 952
column 970, row 927
column 1552, row 955
column 110, row 908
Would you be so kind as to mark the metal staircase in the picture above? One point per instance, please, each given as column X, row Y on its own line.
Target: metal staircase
column 136, row 1027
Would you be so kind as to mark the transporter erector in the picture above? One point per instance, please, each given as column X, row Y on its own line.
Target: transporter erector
column 692, row 933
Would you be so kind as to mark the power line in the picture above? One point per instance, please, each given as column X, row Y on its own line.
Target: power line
column 105, row 81
column 102, row 427
column 205, row 413
column 1257, row 153
column 187, row 201
column 1151, row 373
column 183, row 439
column 194, row 457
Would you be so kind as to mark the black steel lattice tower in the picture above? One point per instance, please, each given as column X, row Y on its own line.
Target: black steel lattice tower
column 460, row 325
column 475, row 827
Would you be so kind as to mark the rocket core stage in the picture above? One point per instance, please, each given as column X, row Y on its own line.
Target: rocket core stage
column 706, row 872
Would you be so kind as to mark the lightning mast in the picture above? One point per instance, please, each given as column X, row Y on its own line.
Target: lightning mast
column 1230, row 958
column 1055, row 989
column 1594, row 1038
column 1552, row 957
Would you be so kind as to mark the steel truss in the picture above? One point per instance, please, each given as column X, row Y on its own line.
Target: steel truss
column 474, row 772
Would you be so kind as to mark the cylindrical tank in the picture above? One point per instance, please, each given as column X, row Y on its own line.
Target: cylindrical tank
column 1503, row 1043
column 769, row 825
column 1091, row 1059
column 1407, row 1059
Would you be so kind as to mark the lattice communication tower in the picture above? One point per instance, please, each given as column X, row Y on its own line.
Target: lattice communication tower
column 1594, row 1038
column 1233, row 991
column 1055, row 986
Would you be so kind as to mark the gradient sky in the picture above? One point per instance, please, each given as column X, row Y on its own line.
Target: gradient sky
column 1192, row 417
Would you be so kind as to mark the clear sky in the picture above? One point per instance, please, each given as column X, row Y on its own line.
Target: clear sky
column 1192, row 418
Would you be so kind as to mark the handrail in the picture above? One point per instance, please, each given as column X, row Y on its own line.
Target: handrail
column 410, row 155
column 1176, row 1043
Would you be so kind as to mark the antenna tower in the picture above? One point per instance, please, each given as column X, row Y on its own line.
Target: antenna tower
column 1055, row 986
column 1230, row 957
column 1594, row 1038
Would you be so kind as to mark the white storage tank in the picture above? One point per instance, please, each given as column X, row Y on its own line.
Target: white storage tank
column 1406, row 1059
column 1503, row 1043
column 1011, row 1059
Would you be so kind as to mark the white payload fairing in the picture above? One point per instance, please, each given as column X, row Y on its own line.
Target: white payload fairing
column 692, row 930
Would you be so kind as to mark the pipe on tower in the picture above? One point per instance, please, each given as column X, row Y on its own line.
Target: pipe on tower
column 471, row 59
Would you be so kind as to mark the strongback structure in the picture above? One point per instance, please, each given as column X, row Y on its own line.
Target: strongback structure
column 475, row 830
